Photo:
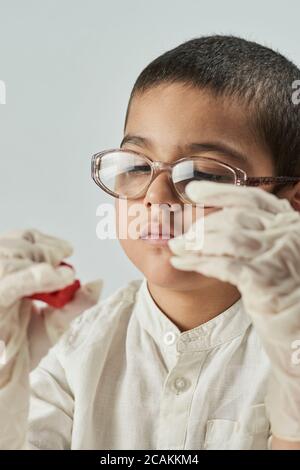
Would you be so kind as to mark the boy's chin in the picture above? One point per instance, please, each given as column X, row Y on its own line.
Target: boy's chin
column 168, row 277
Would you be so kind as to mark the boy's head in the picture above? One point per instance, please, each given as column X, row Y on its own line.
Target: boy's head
column 231, row 95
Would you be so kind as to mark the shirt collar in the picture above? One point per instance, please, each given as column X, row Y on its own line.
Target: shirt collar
column 226, row 326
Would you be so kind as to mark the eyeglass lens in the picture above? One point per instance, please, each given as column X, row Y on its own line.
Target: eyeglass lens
column 129, row 175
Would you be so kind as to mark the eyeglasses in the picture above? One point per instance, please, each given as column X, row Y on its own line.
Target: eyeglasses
column 128, row 174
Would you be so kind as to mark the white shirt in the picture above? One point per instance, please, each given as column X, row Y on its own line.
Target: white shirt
column 124, row 377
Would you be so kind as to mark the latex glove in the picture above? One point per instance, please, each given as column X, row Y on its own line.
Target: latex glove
column 253, row 242
column 29, row 263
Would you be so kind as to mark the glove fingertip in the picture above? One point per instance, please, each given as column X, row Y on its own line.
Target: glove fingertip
column 66, row 273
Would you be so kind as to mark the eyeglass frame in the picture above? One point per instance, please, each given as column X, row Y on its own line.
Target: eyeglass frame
column 241, row 177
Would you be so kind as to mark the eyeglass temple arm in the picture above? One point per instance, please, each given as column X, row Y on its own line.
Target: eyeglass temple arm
column 260, row 180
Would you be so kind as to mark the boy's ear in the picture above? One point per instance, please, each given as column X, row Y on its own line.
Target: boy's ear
column 292, row 194
column 295, row 197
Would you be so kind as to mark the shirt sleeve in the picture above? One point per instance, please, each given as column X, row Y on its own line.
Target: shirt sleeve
column 14, row 386
column 26, row 342
column 51, row 406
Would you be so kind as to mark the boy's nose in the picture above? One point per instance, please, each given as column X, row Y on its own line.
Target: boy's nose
column 160, row 191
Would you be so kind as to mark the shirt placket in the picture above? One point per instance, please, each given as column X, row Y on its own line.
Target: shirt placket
column 178, row 391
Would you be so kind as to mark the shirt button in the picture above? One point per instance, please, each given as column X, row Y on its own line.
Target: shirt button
column 169, row 338
column 180, row 384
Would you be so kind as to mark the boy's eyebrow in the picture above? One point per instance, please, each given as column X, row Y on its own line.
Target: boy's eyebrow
column 192, row 147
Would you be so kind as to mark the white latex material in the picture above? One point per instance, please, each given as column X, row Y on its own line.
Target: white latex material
column 29, row 263
column 253, row 241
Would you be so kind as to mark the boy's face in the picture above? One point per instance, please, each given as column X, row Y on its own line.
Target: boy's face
column 170, row 116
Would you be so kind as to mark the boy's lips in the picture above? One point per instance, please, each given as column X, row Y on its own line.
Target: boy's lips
column 156, row 234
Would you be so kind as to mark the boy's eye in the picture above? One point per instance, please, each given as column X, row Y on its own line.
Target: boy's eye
column 139, row 169
column 207, row 176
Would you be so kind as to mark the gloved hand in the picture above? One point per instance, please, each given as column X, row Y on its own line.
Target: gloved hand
column 30, row 263
column 253, row 242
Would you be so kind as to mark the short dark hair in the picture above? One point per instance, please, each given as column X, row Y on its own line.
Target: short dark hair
column 232, row 66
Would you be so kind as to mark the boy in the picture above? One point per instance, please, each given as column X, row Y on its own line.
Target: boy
column 174, row 361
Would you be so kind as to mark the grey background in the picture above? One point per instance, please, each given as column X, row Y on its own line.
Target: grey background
column 69, row 66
